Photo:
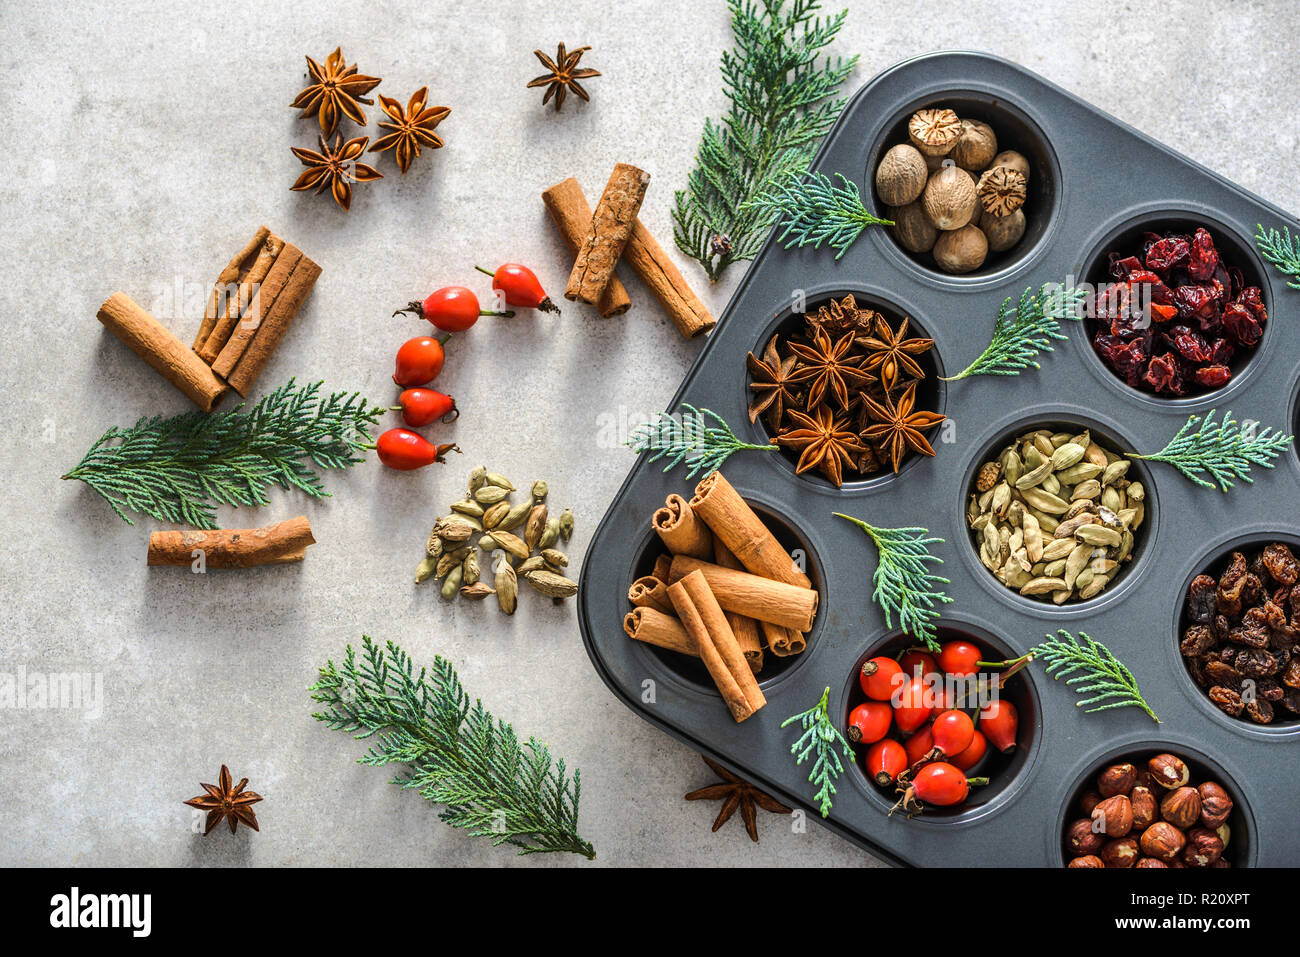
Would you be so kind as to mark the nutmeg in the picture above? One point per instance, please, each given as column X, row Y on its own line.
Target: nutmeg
column 1168, row 770
column 1082, row 839
column 901, row 175
column 1012, row 160
column 961, row 250
column 1115, row 815
column 949, row 198
column 1216, row 805
column 1002, row 191
column 1181, row 807
column 912, row 228
column 1117, row 779
column 1203, row 848
column 975, row 147
column 1145, row 810
column 1003, row 232
column 935, row 131
column 1150, row 862
column 1088, row 860
column 1122, row 852
column 1162, row 840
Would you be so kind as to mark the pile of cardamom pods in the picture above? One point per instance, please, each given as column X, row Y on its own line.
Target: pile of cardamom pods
column 1056, row 515
column 486, row 520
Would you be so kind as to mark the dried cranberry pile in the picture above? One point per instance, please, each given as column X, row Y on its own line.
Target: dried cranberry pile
column 1201, row 315
column 1242, row 643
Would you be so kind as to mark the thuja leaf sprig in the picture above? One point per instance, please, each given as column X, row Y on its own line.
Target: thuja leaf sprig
column 1091, row 668
column 455, row 755
column 905, row 585
column 821, row 736
column 813, row 210
column 689, row 439
column 1280, row 249
column 179, row 469
column 1026, row 329
column 1221, row 450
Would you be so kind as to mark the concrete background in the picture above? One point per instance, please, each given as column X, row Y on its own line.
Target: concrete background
column 155, row 138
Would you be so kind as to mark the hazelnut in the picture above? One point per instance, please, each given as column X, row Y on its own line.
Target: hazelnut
column 1115, row 814
column 912, row 229
column 1168, row 770
column 1002, row 191
column 1216, row 805
column 1145, row 811
column 1120, row 853
column 1162, row 840
column 961, row 250
column 1149, row 862
column 1089, row 801
column 1003, row 232
column 1089, row 860
column 934, row 132
column 949, row 198
column 1117, row 779
column 975, row 147
column 901, row 175
column 1082, row 839
column 1181, row 807
column 1012, row 160
column 1203, row 848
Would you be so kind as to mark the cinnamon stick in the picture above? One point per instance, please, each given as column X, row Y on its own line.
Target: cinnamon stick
column 611, row 226
column 217, row 301
column 654, row 627
column 702, row 617
column 650, row 592
column 155, row 344
column 743, row 532
column 783, row 642
column 752, row 595
column 237, row 305
column 680, row 530
column 571, row 214
column 745, row 628
column 274, row 325
column 661, row 570
column 275, row 544
column 264, row 299
column 666, row 282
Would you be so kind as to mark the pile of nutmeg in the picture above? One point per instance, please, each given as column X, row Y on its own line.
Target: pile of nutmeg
column 950, row 192
column 1154, row 817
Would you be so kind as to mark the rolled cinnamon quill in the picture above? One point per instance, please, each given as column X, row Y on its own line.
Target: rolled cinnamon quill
column 741, row 530
column 251, row 320
column 240, row 299
column 681, row 531
column 274, row 324
column 571, row 214
column 783, row 642
column 654, row 627
column 746, row 629
column 788, row 605
column 663, row 565
column 219, row 299
column 650, row 592
column 701, row 616
column 276, row 544
column 155, row 344
column 652, row 265
column 611, row 226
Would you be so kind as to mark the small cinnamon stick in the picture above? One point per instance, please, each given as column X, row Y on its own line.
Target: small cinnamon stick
column 571, row 214
column 661, row 571
column 702, row 617
column 654, row 627
column 743, row 532
column 752, row 595
column 665, row 281
column 611, row 226
column 274, row 325
column 650, row 592
column 155, row 344
column 263, row 300
column 219, row 298
column 783, row 642
column 275, row 544
column 238, row 304
column 745, row 628
column 680, row 530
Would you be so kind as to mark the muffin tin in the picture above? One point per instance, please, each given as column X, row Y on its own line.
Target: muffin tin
column 1099, row 179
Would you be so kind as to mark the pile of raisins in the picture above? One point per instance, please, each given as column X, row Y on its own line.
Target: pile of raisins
column 1201, row 315
column 1242, row 641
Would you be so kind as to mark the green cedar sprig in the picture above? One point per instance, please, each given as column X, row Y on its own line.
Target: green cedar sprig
column 903, row 580
column 689, row 439
column 179, row 469
column 817, row 210
column 1280, row 249
column 1021, row 332
column 1220, row 449
column 782, row 97
column 1103, row 675
column 820, row 737
column 455, row 755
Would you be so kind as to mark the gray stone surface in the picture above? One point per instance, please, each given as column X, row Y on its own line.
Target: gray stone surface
column 154, row 138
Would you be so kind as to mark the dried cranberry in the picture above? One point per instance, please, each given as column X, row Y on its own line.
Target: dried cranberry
column 1241, row 325
column 1236, row 282
column 1251, row 298
column 1120, row 268
column 1221, row 352
column 1197, row 302
column 1204, row 257
column 1164, row 375
column 1127, row 358
column 1168, row 253
column 1212, row 377
column 1189, row 345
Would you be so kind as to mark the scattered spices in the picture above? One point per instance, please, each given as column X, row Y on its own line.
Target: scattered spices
column 1240, row 635
column 336, row 167
column 735, row 793
column 276, row 544
column 562, row 75
column 336, row 91
column 411, row 128
column 224, row 802
column 607, row 236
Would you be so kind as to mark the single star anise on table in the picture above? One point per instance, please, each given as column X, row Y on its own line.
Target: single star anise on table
column 775, row 390
column 337, row 90
column 829, row 366
column 336, row 167
column 734, row 793
column 223, row 802
column 411, row 128
column 823, row 442
column 891, row 353
column 897, row 428
column 563, row 76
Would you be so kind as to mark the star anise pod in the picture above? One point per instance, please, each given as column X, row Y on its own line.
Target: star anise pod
column 411, row 128
column 891, row 353
column 336, row 167
column 774, row 389
column 736, row 793
column 564, row 75
column 337, row 90
column 897, row 427
column 223, row 802
column 837, row 318
column 824, row 442
column 829, row 366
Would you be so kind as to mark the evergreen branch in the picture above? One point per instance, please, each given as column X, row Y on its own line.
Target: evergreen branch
column 1220, row 449
column 820, row 736
column 1281, row 250
column 459, row 756
column 783, row 97
column 179, row 469
column 903, row 580
column 689, row 439
column 817, row 211
column 1106, row 678
column 1020, row 334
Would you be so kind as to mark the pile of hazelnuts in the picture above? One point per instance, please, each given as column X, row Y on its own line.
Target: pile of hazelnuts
column 1150, row 817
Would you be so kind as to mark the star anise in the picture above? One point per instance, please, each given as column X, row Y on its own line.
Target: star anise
column 734, row 793
column 411, row 128
column 891, row 353
column 223, row 802
column 564, row 75
column 829, row 366
column 897, row 427
column 774, row 389
column 837, row 318
column 336, row 90
column 824, row 442
column 335, row 166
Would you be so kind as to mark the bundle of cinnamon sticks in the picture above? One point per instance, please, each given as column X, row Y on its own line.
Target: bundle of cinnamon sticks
column 724, row 591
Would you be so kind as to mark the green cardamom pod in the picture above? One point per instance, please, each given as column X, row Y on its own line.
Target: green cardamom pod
column 453, row 531
column 433, row 547
column 492, row 517
column 566, row 524
column 539, row 490
column 554, row 556
column 451, row 584
column 450, row 560
column 552, row 585
column 468, row 507
column 512, row 544
column 500, row 481
column 517, row 515
column 491, row 494
column 477, row 479
column 425, row 569
column 550, row 535
column 507, row 585
column 530, row 565
column 536, row 525
column 469, row 568
column 477, row 591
